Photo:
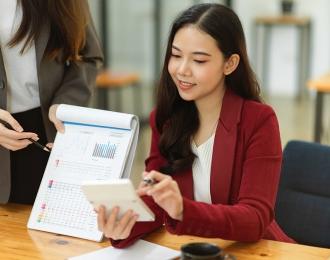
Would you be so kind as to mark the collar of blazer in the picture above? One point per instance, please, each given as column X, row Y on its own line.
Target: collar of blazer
column 41, row 43
column 3, row 83
column 224, row 147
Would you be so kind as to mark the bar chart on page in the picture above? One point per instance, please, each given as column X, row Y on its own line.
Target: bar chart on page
column 107, row 150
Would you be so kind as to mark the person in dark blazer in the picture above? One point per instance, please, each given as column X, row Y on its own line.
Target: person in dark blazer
column 215, row 154
column 49, row 55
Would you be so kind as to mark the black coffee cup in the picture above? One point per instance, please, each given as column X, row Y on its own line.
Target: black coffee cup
column 203, row 251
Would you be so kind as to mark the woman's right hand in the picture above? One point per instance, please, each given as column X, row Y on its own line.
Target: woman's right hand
column 114, row 228
column 13, row 139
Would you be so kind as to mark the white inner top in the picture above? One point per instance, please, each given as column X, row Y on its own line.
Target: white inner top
column 201, row 169
column 21, row 69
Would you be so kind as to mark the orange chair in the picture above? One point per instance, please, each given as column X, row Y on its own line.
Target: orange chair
column 108, row 81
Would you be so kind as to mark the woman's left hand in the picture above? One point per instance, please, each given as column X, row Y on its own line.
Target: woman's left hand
column 52, row 117
column 165, row 192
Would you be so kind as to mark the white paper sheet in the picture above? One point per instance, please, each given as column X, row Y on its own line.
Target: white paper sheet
column 140, row 250
column 96, row 145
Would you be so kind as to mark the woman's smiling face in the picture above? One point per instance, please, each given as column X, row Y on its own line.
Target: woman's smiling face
column 196, row 65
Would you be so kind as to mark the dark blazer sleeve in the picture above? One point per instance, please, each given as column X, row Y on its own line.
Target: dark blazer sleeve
column 250, row 216
column 153, row 162
column 79, row 77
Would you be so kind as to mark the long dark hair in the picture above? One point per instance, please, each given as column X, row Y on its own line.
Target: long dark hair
column 176, row 119
column 67, row 20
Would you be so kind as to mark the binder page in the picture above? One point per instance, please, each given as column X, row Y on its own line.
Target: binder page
column 92, row 116
column 83, row 152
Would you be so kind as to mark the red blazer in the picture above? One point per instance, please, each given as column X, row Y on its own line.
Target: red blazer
column 245, row 172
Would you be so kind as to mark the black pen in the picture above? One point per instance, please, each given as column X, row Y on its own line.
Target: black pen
column 43, row 147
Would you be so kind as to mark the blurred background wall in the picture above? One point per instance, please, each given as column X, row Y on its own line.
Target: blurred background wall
column 135, row 32
column 133, row 44
column 283, row 42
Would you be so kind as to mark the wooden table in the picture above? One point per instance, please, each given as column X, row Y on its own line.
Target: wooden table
column 322, row 86
column 17, row 242
column 262, row 46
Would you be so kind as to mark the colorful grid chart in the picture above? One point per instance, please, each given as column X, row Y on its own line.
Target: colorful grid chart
column 63, row 206
column 105, row 150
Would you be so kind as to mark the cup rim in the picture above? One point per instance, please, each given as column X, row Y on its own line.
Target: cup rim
column 192, row 244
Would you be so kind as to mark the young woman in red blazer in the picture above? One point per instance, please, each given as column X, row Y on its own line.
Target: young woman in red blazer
column 215, row 152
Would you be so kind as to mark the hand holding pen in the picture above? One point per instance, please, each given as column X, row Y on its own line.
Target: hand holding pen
column 165, row 192
column 12, row 135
